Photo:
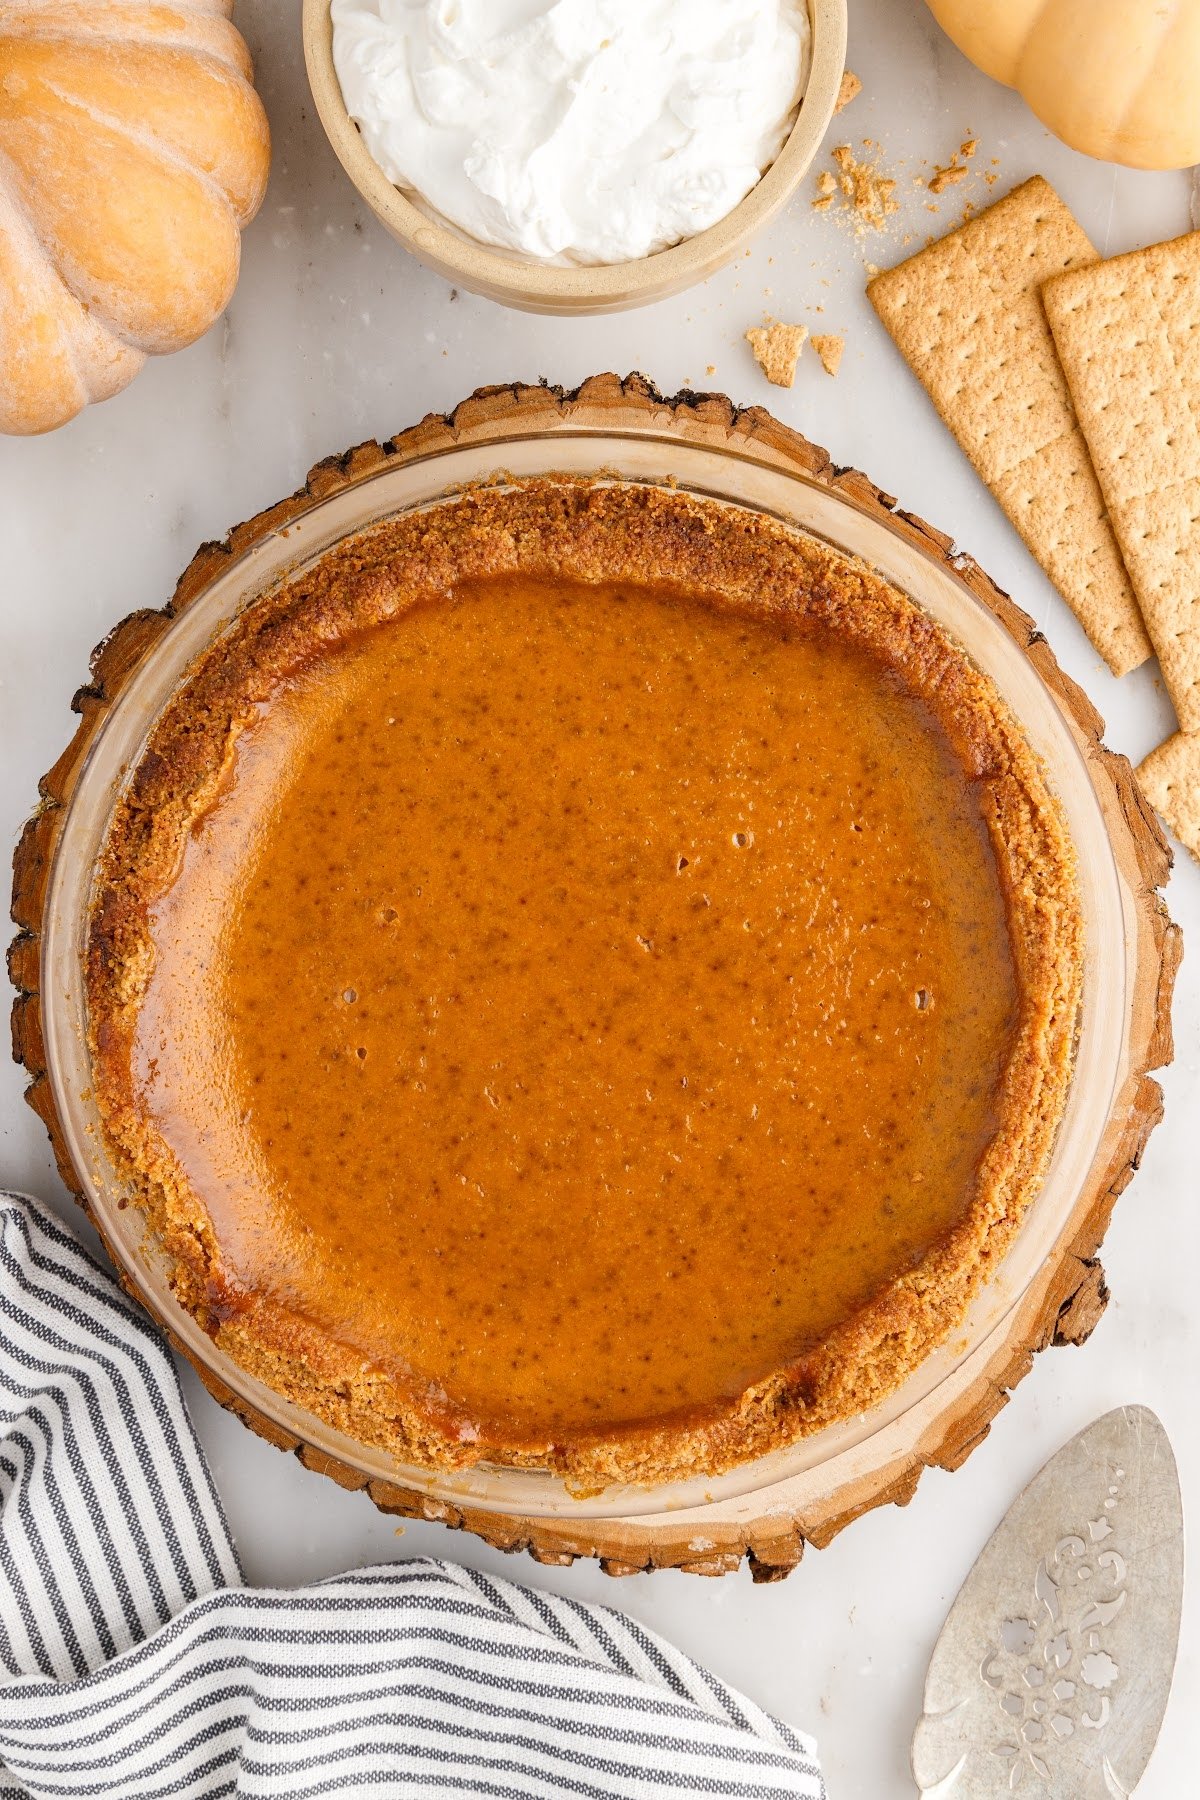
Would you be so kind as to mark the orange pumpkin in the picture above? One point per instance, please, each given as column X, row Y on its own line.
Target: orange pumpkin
column 133, row 149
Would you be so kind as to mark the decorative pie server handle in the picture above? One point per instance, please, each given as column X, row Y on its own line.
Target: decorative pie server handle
column 1053, row 1668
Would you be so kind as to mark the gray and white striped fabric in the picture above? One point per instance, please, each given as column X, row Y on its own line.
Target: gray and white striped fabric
column 134, row 1662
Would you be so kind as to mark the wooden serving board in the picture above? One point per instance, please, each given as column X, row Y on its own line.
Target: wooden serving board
column 769, row 1527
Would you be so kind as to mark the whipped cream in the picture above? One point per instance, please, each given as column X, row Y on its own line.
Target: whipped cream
column 591, row 131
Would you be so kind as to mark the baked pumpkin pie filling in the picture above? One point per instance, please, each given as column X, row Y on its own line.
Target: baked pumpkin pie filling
column 583, row 977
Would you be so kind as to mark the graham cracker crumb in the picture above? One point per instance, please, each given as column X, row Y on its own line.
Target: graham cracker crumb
column 829, row 348
column 776, row 348
column 850, row 89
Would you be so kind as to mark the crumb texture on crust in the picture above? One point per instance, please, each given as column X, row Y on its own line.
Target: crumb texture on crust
column 599, row 533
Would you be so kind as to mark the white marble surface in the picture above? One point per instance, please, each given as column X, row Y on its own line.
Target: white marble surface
column 335, row 335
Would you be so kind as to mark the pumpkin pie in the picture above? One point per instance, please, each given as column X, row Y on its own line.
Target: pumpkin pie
column 583, row 977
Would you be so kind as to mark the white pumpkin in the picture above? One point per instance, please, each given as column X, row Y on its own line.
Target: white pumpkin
column 1118, row 79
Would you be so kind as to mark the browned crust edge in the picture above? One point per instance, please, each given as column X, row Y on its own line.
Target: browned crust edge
column 1066, row 1301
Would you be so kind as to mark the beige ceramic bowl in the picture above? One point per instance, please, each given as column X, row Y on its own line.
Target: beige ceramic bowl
column 547, row 288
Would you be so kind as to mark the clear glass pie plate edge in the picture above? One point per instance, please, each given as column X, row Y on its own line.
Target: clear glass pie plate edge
column 735, row 477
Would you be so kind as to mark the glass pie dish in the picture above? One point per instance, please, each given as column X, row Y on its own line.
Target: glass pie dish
column 615, row 431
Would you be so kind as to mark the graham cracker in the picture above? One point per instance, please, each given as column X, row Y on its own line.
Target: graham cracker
column 1128, row 338
column 777, row 349
column 1170, row 776
column 967, row 315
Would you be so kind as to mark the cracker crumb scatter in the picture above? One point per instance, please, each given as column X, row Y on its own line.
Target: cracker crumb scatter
column 850, row 89
column 870, row 193
column 710, row 369
column 776, row 348
column 829, row 348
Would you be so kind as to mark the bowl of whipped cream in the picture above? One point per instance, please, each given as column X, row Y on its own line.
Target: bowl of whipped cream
column 575, row 156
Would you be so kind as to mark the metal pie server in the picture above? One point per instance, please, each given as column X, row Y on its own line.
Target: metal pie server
column 1052, row 1671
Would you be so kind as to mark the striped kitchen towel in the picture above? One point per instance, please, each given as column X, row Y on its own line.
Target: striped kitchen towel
column 134, row 1662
